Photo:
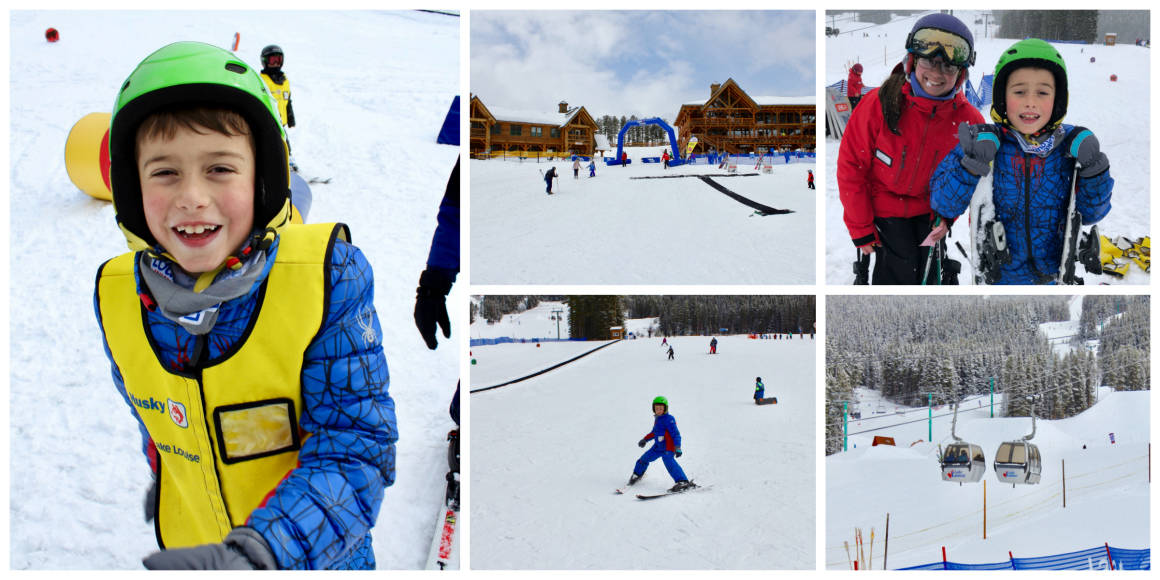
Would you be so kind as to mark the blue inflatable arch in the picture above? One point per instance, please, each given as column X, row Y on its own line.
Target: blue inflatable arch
column 676, row 151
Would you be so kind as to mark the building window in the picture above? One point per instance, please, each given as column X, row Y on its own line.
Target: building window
column 537, row 131
column 496, row 128
column 517, row 130
column 555, row 133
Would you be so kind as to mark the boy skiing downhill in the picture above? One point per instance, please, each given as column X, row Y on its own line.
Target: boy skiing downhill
column 1034, row 157
column 248, row 349
column 666, row 447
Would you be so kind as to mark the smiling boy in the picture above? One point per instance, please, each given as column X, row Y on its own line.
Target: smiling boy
column 1034, row 157
column 269, row 430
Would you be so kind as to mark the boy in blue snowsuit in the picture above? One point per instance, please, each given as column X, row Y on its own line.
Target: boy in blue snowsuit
column 758, row 391
column 592, row 168
column 666, row 446
column 247, row 348
column 1034, row 156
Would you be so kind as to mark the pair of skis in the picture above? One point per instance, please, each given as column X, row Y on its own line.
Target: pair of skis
column 666, row 493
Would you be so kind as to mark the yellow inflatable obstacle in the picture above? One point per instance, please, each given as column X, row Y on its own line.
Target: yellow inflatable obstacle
column 86, row 155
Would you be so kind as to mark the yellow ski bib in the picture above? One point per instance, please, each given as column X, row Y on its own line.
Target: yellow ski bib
column 281, row 93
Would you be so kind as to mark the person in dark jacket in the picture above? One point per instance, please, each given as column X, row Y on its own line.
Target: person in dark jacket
column 666, row 446
column 548, row 177
column 892, row 146
column 713, row 346
column 670, row 352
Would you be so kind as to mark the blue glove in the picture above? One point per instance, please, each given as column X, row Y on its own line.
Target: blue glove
column 1083, row 146
column 243, row 549
column 642, row 443
column 979, row 143
column 678, row 452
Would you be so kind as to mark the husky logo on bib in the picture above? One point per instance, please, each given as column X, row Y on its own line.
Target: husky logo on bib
column 177, row 413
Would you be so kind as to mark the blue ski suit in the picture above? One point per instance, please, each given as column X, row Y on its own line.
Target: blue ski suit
column 1030, row 194
column 759, row 391
column 666, row 441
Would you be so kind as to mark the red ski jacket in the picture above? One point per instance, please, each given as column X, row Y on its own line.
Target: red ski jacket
column 854, row 84
column 883, row 174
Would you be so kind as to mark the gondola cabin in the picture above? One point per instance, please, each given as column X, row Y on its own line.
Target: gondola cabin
column 963, row 462
column 1018, row 462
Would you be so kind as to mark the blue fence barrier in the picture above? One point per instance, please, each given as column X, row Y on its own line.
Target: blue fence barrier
column 508, row 339
column 1089, row 559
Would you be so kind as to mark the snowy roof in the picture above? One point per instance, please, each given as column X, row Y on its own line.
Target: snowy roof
column 807, row 100
column 602, row 142
column 531, row 116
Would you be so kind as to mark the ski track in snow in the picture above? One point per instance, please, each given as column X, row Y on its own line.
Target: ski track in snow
column 547, row 454
column 369, row 123
column 1116, row 127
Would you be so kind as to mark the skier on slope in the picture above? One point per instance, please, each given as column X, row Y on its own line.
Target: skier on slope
column 854, row 85
column 666, row 447
column 758, row 391
column 279, row 85
column 713, row 346
column 1034, row 154
column 576, row 168
column 670, row 352
column 810, row 178
column 592, row 167
column 548, row 177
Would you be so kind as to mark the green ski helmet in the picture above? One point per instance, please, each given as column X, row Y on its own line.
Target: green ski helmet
column 1036, row 53
column 662, row 401
column 187, row 74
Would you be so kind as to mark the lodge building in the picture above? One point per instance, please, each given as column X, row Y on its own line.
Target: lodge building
column 496, row 131
column 733, row 122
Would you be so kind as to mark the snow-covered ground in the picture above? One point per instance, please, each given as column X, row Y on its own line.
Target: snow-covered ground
column 617, row 229
column 370, row 93
column 1114, row 111
column 1107, row 487
column 547, row 454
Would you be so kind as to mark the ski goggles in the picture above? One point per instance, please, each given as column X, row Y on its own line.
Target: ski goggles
column 274, row 61
column 930, row 42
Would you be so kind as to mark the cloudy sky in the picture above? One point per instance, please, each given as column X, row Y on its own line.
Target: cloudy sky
column 637, row 62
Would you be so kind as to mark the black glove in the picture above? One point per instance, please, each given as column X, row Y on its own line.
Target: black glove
column 678, row 452
column 243, row 549
column 1083, row 146
column 431, row 305
column 980, row 143
column 642, row 442
column 151, row 501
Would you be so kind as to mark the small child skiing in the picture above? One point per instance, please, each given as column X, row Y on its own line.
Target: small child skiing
column 670, row 352
column 665, row 341
column 713, row 346
column 666, row 447
column 810, row 178
column 275, row 79
column 1034, row 156
column 665, row 158
column 758, row 391
column 592, row 168
column 576, row 168
column 548, row 177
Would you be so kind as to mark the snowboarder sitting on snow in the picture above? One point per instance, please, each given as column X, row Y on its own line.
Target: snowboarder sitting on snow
column 758, row 391
column 1034, row 154
column 666, row 447
column 247, row 348
column 548, row 177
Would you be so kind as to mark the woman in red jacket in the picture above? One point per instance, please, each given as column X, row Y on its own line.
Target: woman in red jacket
column 854, row 85
column 892, row 145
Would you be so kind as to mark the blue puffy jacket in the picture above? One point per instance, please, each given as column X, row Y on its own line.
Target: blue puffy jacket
column 321, row 514
column 664, row 433
column 1030, row 193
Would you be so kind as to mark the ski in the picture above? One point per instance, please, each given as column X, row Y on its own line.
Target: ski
column 316, row 180
column 643, row 497
column 444, row 551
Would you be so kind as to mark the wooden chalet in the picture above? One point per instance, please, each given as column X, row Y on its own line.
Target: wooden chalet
column 498, row 132
column 733, row 122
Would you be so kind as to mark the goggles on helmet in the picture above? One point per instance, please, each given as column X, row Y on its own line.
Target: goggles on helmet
column 930, row 42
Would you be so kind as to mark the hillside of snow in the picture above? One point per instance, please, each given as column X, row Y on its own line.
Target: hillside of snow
column 620, row 228
column 1114, row 111
column 548, row 453
column 370, row 92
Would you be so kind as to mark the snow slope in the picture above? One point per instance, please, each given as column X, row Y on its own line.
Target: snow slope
column 547, row 453
column 614, row 229
column 1114, row 111
column 369, row 123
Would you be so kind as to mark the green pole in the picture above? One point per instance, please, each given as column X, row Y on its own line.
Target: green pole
column 845, row 429
column 992, row 397
column 929, row 417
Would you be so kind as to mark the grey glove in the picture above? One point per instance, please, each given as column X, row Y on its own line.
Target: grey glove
column 1083, row 146
column 642, row 442
column 151, row 501
column 980, row 143
column 243, row 549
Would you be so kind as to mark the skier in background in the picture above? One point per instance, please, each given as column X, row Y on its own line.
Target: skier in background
column 810, row 178
column 1031, row 96
column 854, row 85
column 758, row 391
column 665, row 158
column 279, row 86
column 713, row 346
column 670, row 352
column 548, row 177
column 666, row 447
column 592, row 167
column 576, row 168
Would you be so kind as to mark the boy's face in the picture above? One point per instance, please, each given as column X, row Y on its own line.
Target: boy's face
column 1030, row 99
column 198, row 193
column 658, row 409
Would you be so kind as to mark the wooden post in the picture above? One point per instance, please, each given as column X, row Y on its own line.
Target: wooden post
column 1063, row 473
column 886, row 541
column 984, row 509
